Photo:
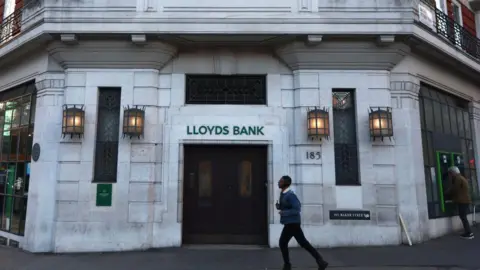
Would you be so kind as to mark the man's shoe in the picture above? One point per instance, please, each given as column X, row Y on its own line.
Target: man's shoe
column 322, row 265
column 467, row 236
column 287, row 266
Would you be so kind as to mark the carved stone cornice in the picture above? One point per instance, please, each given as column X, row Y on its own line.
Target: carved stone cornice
column 342, row 55
column 50, row 84
column 112, row 54
column 404, row 89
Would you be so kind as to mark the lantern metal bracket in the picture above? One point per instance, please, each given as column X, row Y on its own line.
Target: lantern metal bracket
column 73, row 106
column 377, row 109
column 137, row 107
column 319, row 138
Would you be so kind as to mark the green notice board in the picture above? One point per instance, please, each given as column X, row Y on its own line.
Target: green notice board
column 104, row 195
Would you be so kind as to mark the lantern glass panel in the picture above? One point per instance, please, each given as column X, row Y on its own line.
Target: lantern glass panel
column 73, row 121
column 133, row 122
column 381, row 123
column 318, row 124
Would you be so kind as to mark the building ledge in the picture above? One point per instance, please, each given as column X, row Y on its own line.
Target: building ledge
column 343, row 54
column 111, row 53
column 474, row 4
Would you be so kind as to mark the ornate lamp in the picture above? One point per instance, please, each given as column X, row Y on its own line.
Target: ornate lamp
column 380, row 120
column 73, row 122
column 133, row 121
column 318, row 124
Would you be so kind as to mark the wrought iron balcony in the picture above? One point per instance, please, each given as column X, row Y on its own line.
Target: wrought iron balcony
column 16, row 22
column 439, row 22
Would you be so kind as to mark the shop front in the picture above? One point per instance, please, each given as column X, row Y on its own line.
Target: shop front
column 17, row 118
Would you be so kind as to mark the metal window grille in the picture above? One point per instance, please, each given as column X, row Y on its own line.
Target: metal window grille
column 345, row 138
column 220, row 89
column 108, row 128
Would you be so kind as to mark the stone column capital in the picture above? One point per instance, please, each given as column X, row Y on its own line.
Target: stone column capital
column 405, row 88
column 50, row 82
column 474, row 109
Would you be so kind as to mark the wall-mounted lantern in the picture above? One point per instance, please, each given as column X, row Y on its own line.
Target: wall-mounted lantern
column 133, row 121
column 318, row 124
column 380, row 120
column 73, row 122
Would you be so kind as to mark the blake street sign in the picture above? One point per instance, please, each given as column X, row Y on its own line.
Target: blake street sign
column 349, row 215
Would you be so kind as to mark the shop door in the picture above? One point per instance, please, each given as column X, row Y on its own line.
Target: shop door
column 225, row 195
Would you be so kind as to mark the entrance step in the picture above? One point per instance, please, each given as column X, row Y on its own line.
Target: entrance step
column 224, row 247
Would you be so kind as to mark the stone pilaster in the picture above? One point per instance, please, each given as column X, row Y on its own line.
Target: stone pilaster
column 307, row 173
column 41, row 209
column 409, row 169
column 475, row 115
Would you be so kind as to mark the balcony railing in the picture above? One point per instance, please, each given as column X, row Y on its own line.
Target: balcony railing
column 14, row 23
column 448, row 29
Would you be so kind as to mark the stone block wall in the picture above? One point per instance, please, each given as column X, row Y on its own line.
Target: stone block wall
column 137, row 195
column 147, row 199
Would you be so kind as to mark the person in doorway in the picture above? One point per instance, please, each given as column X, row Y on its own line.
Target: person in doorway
column 460, row 194
column 289, row 208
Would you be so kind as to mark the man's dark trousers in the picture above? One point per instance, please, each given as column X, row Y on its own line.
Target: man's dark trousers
column 294, row 230
column 462, row 213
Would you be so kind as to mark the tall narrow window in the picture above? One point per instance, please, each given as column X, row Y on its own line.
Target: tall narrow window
column 345, row 138
column 108, row 126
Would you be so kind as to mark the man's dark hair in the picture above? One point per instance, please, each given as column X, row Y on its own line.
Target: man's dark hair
column 287, row 180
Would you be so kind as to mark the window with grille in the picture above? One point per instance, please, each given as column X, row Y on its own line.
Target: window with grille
column 345, row 137
column 108, row 128
column 223, row 89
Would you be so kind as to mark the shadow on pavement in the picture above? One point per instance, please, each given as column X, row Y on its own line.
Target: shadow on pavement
column 449, row 252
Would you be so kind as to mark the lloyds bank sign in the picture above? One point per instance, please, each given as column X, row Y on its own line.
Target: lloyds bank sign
column 225, row 130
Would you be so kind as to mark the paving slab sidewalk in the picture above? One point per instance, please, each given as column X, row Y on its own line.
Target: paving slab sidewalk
column 449, row 252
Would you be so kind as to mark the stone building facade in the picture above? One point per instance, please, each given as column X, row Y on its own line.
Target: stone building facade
column 263, row 70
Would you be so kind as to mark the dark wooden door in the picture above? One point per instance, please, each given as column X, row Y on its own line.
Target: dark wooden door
column 225, row 195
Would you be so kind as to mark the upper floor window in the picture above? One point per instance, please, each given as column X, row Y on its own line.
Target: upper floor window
column 226, row 89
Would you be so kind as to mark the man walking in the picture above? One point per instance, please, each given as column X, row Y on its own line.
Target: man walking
column 290, row 208
column 460, row 195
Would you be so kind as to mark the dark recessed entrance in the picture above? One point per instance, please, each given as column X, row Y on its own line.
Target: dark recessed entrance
column 225, row 195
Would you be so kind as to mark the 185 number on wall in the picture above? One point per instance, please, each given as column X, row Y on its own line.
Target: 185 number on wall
column 313, row 155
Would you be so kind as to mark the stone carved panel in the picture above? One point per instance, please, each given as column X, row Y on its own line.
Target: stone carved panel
column 305, row 5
